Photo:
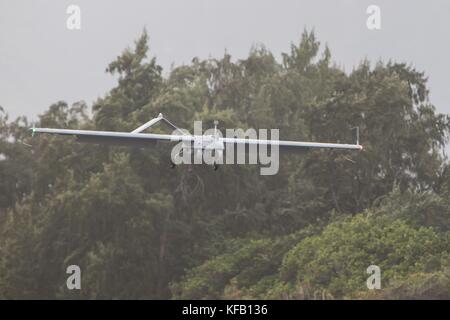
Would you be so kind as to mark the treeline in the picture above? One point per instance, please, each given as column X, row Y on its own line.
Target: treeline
column 139, row 229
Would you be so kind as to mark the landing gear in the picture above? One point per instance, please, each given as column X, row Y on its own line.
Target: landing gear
column 215, row 166
column 172, row 165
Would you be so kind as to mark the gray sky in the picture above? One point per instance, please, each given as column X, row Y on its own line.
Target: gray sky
column 41, row 61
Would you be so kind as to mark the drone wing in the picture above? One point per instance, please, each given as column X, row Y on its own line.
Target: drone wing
column 149, row 139
column 115, row 138
column 296, row 146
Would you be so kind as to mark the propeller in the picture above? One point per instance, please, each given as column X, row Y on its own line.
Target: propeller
column 33, row 132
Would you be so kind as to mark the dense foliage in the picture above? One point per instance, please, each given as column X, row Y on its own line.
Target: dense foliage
column 139, row 229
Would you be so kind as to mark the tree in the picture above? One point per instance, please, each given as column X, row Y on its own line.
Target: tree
column 139, row 229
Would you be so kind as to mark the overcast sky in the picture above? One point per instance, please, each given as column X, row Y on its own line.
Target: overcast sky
column 41, row 61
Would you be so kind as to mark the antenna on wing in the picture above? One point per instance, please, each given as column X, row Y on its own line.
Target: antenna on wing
column 357, row 134
column 33, row 130
column 215, row 127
